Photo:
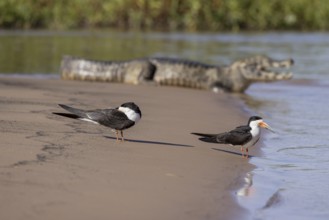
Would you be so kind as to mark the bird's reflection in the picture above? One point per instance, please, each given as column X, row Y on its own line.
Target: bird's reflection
column 247, row 189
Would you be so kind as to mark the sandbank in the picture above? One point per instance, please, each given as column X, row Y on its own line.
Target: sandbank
column 52, row 167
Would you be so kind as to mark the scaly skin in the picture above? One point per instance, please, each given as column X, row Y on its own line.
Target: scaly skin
column 236, row 77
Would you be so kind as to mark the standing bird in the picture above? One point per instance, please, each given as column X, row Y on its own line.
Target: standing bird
column 244, row 136
column 119, row 118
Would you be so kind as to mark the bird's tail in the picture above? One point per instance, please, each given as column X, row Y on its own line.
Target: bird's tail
column 203, row 135
column 212, row 138
column 78, row 112
column 68, row 115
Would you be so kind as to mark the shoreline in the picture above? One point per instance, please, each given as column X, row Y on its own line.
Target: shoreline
column 53, row 167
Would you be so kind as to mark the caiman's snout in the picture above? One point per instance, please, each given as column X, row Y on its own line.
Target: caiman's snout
column 282, row 63
column 265, row 69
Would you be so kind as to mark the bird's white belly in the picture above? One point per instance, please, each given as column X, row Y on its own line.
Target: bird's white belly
column 255, row 138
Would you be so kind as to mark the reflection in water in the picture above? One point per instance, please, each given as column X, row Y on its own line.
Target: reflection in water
column 247, row 189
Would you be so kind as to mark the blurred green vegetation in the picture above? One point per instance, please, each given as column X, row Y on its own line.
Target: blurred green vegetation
column 189, row 15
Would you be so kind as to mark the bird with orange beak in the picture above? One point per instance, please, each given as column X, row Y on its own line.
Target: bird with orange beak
column 244, row 136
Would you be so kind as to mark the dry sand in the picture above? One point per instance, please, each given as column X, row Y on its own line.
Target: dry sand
column 53, row 167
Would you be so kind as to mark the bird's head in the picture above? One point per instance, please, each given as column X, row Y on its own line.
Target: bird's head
column 258, row 121
column 131, row 110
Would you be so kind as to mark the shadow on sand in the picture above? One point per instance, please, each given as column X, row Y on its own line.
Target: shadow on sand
column 230, row 152
column 152, row 142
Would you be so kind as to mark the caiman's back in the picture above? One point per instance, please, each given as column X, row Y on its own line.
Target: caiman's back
column 184, row 73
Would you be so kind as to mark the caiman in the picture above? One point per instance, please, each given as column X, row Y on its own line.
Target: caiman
column 236, row 77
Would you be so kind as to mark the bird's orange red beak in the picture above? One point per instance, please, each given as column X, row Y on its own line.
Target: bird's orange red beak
column 265, row 125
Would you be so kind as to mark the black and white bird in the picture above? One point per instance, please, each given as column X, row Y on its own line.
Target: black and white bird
column 244, row 136
column 119, row 118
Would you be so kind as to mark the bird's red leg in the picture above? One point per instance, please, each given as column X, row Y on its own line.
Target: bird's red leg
column 247, row 151
column 122, row 138
column 117, row 136
column 242, row 152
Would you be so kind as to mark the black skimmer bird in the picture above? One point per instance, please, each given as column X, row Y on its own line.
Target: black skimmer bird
column 244, row 136
column 119, row 118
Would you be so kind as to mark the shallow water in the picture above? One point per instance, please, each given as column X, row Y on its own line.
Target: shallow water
column 290, row 181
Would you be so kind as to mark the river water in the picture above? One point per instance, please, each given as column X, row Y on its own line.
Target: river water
column 291, row 174
column 291, row 179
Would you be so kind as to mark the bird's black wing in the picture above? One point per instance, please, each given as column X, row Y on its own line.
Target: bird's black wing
column 238, row 136
column 243, row 128
column 78, row 112
column 112, row 118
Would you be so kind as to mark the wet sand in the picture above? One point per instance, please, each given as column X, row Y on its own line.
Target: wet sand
column 53, row 167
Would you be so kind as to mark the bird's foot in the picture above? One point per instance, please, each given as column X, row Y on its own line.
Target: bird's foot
column 242, row 152
column 244, row 155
